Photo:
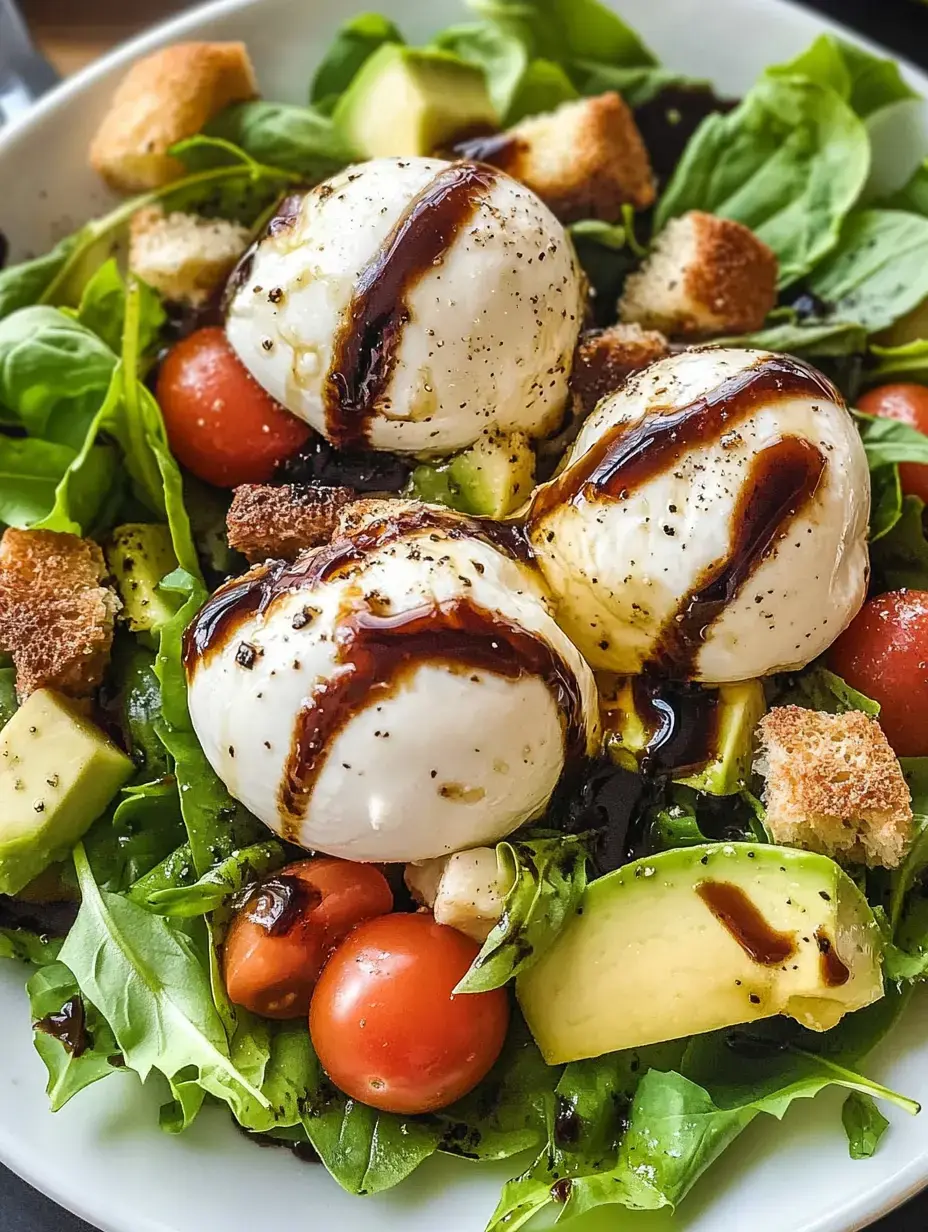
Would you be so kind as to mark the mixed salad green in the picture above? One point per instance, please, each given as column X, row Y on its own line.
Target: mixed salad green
column 83, row 449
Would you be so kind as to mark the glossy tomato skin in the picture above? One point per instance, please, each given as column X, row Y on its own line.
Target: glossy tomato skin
column 884, row 654
column 385, row 1025
column 280, row 939
column 221, row 424
column 909, row 404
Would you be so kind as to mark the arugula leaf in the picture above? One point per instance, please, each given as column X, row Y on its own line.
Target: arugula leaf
column 25, row 946
column 220, row 883
column 899, row 559
column 216, row 824
column 608, row 234
column 879, row 269
column 817, row 688
column 866, row 81
column 908, row 362
column 354, row 43
column 864, row 1125
column 148, row 981
column 888, row 440
column 50, row 989
column 808, row 337
column 300, row 141
column 789, row 162
column 547, row 877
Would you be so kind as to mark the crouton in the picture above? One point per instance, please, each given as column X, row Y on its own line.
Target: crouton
column 369, row 509
column 164, row 98
column 184, row 257
column 834, row 786
column 605, row 357
column 585, row 160
column 56, row 616
column 705, row 276
column 267, row 522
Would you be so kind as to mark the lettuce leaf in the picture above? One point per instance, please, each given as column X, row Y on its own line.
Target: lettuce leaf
column 789, row 162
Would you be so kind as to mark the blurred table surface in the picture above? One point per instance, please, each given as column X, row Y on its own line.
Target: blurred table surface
column 71, row 33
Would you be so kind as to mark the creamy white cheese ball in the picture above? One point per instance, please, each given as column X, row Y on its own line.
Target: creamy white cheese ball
column 410, row 305
column 374, row 708
column 711, row 520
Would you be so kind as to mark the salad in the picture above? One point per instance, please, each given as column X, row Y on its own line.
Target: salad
column 464, row 604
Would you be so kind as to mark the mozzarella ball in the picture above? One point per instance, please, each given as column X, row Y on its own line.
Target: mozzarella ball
column 711, row 520
column 398, row 695
column 410, row 305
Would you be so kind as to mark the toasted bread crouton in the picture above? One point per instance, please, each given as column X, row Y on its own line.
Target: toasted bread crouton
column 184, row 257
column 56, row 616
column 834, row 786
column 605, row 357
column 368, row 509
column 164, row 98
column 266, row 521
column 705, row 276
column 585, row 160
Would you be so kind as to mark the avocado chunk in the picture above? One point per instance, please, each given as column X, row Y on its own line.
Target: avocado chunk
column 703, row 738
column 139, row 555
column 58, row 772
column 493, row 478
column 410, row 101
column 699, row 938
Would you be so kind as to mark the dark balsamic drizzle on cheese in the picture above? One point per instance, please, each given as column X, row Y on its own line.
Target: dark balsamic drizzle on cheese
column 376, row 652
column 368, row 339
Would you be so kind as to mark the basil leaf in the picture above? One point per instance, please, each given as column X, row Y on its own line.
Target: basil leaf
column 51, row 989
column 864, row 1125
column 547, row 878
column 219, row 884
column 789, row 162
column 879, row 270
column 354, row 43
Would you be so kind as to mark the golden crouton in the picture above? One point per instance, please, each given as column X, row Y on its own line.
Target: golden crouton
column 56, row 617
column 164, row 98
column 705, row 276
column 834, row 786
column 184, row 257
column 585, row 160
column 605, row 357
column 358, row 514
column 267, row 522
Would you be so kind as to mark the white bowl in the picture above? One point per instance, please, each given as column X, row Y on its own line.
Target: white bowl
column 103, row 1156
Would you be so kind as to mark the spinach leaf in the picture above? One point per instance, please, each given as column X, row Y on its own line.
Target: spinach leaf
column 547, row 877
column 24, row 284
column 913, row 196
column 887, row 441
column 900, row 558
column 501, row 54
column 864, row 1125
column 229, row 877
column 817, row 688
column 809, row 337
column 867, row 82
column 173, row 871
column 300, row 141
column 9, row 703
column 50, row 989
column 638, row 84
column 354, row 44
column 31, row 472
column 25, row 946
column 908, row 362
column 543, row 86
column 789, row 162
column 216, row 824
column 148, row 981
column 568, row 30
column 103, row 310
column 879, row 269
column 885, row 501
column 509, row 1110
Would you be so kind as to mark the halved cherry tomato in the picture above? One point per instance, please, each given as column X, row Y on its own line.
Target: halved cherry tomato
column 386, row 1026
column 909, row 404
column 279, row 940
column 221, row 424
column 884, row 654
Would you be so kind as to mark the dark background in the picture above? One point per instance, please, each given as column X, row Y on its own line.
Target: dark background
column 901, row 25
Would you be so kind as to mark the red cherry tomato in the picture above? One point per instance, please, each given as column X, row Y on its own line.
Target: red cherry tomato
column 909, row 404
column 384, row 1022
column 279, row 940
column 884, row 653
column 221, row 424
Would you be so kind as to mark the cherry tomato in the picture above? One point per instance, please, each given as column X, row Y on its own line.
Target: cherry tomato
column 909, row 404
column 384, row 1022
column 221, row 424
column 279, row 940
column 884, row 654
